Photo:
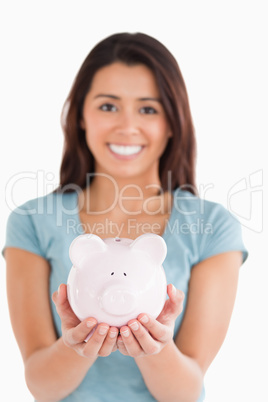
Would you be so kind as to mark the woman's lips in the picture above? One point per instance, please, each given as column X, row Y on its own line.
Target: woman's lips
column 125, row 151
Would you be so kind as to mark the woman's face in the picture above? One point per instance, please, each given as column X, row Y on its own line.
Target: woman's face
column 124, row 121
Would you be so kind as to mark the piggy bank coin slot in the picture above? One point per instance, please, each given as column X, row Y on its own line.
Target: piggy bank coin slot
column 117, row 239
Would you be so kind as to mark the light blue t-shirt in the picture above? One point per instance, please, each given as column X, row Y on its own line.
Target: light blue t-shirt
column 196, row 229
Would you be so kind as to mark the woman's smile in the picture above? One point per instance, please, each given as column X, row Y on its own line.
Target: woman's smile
column 126, row 152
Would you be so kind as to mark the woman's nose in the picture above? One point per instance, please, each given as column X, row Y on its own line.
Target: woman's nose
column 128, row 124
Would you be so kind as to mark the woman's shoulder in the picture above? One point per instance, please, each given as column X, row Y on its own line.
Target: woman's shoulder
column 207, row 224
column 47, row 204
column 43, row 212
column 33, row 224
column 191, row 207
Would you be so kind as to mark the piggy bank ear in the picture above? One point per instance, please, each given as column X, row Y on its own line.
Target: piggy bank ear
column 151, row 244
column 84, row 245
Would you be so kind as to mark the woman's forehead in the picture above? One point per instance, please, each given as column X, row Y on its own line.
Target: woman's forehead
column 121, row 79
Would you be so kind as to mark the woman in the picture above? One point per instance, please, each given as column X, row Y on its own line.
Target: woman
column 127, row 169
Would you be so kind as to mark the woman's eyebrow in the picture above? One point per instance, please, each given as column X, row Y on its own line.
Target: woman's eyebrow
column 118, row 98
column 106, row 96
column 150, row 99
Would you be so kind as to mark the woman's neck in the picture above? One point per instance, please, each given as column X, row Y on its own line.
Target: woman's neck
column 107, row 195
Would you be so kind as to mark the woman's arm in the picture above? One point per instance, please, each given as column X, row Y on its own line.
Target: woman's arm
column 53, row 368
column 175, row 371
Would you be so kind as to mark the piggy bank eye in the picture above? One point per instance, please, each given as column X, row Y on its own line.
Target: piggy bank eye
column 125, row 274
column 112, row 273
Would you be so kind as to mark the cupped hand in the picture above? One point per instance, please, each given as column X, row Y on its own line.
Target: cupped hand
column 147, row 336
column 75, row 333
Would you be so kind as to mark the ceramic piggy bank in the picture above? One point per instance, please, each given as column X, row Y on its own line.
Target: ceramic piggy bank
column 116, row 279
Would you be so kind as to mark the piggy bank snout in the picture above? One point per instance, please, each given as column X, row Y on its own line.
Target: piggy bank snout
column 118, row 301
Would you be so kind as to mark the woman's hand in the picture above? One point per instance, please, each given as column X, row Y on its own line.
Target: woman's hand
column 102, row 342
column 147, row 336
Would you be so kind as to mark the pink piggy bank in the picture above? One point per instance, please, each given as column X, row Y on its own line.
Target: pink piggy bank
column 114, row 280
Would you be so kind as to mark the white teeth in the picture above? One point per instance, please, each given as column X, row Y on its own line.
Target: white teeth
column 125, row 149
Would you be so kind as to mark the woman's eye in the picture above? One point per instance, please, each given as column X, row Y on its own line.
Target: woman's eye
column 148, row 110
column 108, row 107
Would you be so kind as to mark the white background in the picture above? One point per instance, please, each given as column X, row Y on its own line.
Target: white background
column 221, row 48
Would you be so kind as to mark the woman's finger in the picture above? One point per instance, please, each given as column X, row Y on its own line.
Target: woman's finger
column 109, row 344
column 173, row 306
column 96, row 341
column 60, row 296
column 174, row 294
column 75, row 335
column 61, row 302
column 132, row 346
column 64, row 310
column 121, row 346
column 150, row 333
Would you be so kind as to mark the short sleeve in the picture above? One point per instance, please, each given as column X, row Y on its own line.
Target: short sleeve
column 21, row 233
column 223, row 234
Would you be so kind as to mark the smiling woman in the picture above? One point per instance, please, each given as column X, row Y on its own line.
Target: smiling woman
column 128, row 168
column 132, row 53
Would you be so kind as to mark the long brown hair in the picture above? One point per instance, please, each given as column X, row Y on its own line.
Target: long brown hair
column 138, row 48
